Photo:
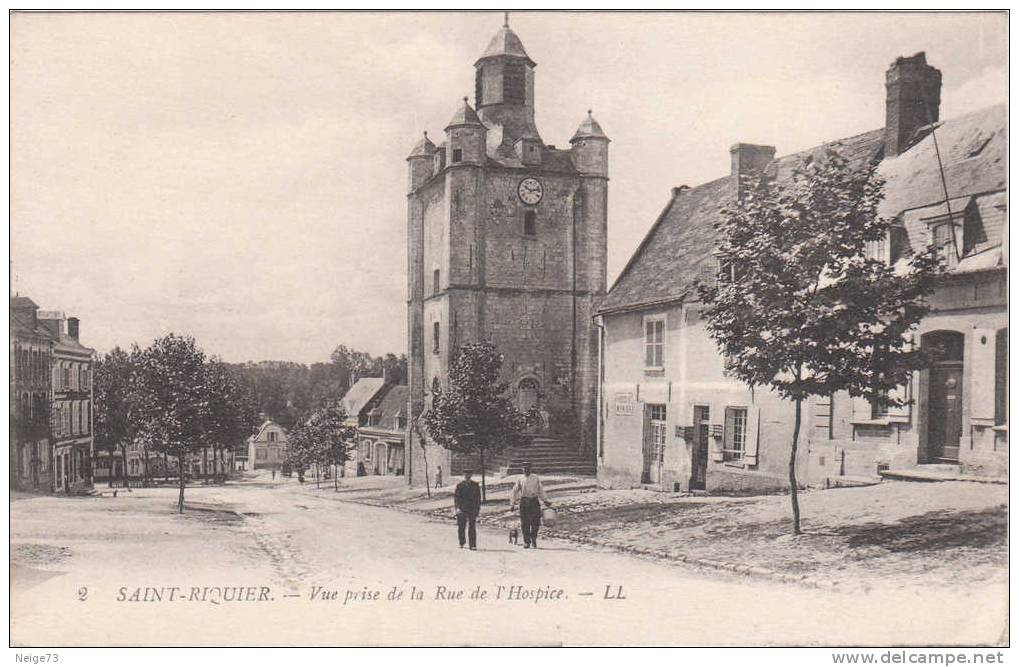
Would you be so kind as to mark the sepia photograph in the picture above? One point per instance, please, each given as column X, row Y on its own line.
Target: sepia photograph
column 509, row 329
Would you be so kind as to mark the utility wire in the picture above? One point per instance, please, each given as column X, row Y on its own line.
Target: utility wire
column 941, row 170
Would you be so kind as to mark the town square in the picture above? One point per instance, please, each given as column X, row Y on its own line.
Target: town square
column 362, row 329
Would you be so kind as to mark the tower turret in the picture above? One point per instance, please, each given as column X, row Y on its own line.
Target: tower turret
column 420, row 162
column 590, row 147
column 504, row 91
column 465, row 137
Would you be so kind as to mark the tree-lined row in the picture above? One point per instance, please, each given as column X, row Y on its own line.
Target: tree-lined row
column 170, row 400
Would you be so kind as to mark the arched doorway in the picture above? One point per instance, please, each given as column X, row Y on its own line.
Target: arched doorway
column 527, row 395
column 944, row 394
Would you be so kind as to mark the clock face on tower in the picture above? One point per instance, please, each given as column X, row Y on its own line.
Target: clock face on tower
column 530, row 191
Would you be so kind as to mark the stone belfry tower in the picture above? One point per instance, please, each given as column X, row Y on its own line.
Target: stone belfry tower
column 506, row 240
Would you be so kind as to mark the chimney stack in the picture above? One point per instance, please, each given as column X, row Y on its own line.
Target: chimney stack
column 750, row 159
column 912, row 100
column 72, row 327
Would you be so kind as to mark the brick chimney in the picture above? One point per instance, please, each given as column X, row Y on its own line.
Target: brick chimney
column 912, row 100
column 72, row 327
column 750, row 159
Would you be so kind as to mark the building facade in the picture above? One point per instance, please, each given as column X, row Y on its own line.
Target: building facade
column 51, row 401
column 31, row 358
column 71, row 402
column 506, row 243
column 380, row 435
column 670, row 417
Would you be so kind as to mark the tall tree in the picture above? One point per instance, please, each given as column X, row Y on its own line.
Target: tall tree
column 474, row 414
column 115, row 398
column 230, row 415
column 173, row 399
column 800, row 307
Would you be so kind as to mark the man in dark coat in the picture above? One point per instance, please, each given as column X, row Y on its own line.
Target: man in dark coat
column 467, row 501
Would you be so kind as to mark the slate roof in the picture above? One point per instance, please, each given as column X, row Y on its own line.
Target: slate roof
column 506, row 43
column 678, row 248
column 465, row 115
column 913, row 179
column 392, row 407
column 20, row 302
column 423, row 147
column 589, row 129
column 22, row 327
column 359, row 395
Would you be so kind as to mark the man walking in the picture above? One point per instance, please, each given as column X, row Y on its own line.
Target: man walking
column 467, row 501
column 529, row 492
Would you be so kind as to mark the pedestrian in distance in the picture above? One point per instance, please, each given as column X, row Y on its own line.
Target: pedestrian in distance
column 529, row 493
column 467, row 503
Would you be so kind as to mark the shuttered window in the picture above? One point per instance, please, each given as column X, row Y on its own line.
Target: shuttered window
column 654, row 343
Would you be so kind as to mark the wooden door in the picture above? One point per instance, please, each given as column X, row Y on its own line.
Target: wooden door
column 945, row 413
column 699, row 451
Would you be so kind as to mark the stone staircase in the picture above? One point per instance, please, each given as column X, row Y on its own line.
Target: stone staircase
column 547, row 456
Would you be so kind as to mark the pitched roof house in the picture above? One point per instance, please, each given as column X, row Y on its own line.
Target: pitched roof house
column 380, row 439
column 671, row 418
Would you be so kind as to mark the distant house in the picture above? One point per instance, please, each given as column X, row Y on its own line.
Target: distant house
column 267, row 449
column 669, row 416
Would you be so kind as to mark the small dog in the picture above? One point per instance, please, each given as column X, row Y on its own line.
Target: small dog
column 514, row 535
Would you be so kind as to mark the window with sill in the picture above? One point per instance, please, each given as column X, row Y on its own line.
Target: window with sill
column 654, row 343
column 734, row 435
column 435, row 281
column 458, row 155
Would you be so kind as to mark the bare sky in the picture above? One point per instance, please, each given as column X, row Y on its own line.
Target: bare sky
column 241, row 177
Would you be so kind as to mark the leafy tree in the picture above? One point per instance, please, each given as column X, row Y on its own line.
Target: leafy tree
column 320, row 440
column 173, row 399
column 799, row 306
column 115, row 423
column 474, row 414
column 229, row 415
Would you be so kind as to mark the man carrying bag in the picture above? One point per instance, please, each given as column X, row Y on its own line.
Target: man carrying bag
column 529, row 492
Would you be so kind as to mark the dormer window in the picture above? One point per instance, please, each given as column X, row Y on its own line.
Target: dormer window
column 889, row 249
column 945, row 235
column 957, row 234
